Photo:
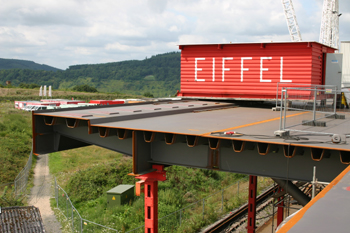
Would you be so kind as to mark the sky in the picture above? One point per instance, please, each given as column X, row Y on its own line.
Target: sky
column 61, row 33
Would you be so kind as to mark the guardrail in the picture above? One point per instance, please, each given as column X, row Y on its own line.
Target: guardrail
column 310, row 105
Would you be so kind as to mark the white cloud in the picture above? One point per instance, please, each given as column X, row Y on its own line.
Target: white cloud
column 69, row 32
column 157, row 6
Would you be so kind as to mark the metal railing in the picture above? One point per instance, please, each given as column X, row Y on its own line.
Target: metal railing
column 310, row 105
column 77, row 223
column 21, row 179
column 281, row 86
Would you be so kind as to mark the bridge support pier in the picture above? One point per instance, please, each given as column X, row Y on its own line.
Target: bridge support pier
column 150, row 183
column 280, row 209
column 251, row 225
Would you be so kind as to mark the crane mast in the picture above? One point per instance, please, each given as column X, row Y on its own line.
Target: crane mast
column 291, row 20
column 329, row 33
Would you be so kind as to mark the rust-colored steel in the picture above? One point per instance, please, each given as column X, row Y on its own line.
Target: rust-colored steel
column 139, row 187
column 251, row 225
column 280, row 208
column 34, row 133
column 249, row 71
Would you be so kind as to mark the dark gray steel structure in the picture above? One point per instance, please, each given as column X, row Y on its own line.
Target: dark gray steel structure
column 191, row 133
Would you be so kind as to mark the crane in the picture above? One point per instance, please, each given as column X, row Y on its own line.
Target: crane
column 329, row 33
column 291, row 20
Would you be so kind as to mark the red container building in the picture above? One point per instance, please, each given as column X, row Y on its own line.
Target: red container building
column 106, row 102
column 249, row 70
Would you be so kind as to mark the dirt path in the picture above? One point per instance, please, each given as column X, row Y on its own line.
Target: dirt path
column 41, row 193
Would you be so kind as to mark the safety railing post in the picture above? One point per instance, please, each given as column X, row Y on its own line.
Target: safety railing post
column 314, row 183
column 281, row 107
column 314, row 110
column 72, row 219
column 203, row 208
column 58, row 195
column 222, row 201
column 238, row 188
column 335, row 100
column 180, row 216
column 285, row 109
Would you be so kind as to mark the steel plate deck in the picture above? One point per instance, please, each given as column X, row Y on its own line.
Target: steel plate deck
column 190, row 133
column 255, row 124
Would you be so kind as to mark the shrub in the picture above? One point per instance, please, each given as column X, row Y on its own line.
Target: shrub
column 28, row 86
column 84, row 88
column 148, row 94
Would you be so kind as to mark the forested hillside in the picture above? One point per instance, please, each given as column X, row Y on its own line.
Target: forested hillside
column 23, row 64
column 158, row 75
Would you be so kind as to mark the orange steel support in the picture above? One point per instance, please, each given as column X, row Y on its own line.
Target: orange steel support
column 150, row 183
column 252, row 204
column 280, row 209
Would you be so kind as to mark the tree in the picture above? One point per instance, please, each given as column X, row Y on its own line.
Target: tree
column 148, row 94
column 84, row 88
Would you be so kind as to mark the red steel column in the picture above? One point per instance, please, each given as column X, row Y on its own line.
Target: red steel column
column 151, row 206
column 150, row 183
column 280, row 209
column 252, row 204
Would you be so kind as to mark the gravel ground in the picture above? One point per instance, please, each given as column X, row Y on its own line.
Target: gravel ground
column 41, row 193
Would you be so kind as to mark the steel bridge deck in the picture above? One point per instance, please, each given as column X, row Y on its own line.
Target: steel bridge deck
column 190, row 133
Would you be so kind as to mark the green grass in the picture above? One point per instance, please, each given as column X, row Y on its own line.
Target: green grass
column 15, row 147
column 65, row 164
column 15, row 141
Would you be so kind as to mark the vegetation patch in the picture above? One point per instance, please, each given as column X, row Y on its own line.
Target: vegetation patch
column 93, row 182
column 15, row 147
column 88, row 173
column 150, row 78
column 15, row 141
column 84, row 88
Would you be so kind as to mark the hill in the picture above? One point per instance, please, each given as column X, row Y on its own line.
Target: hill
column 6, row 64
column 158, row 75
